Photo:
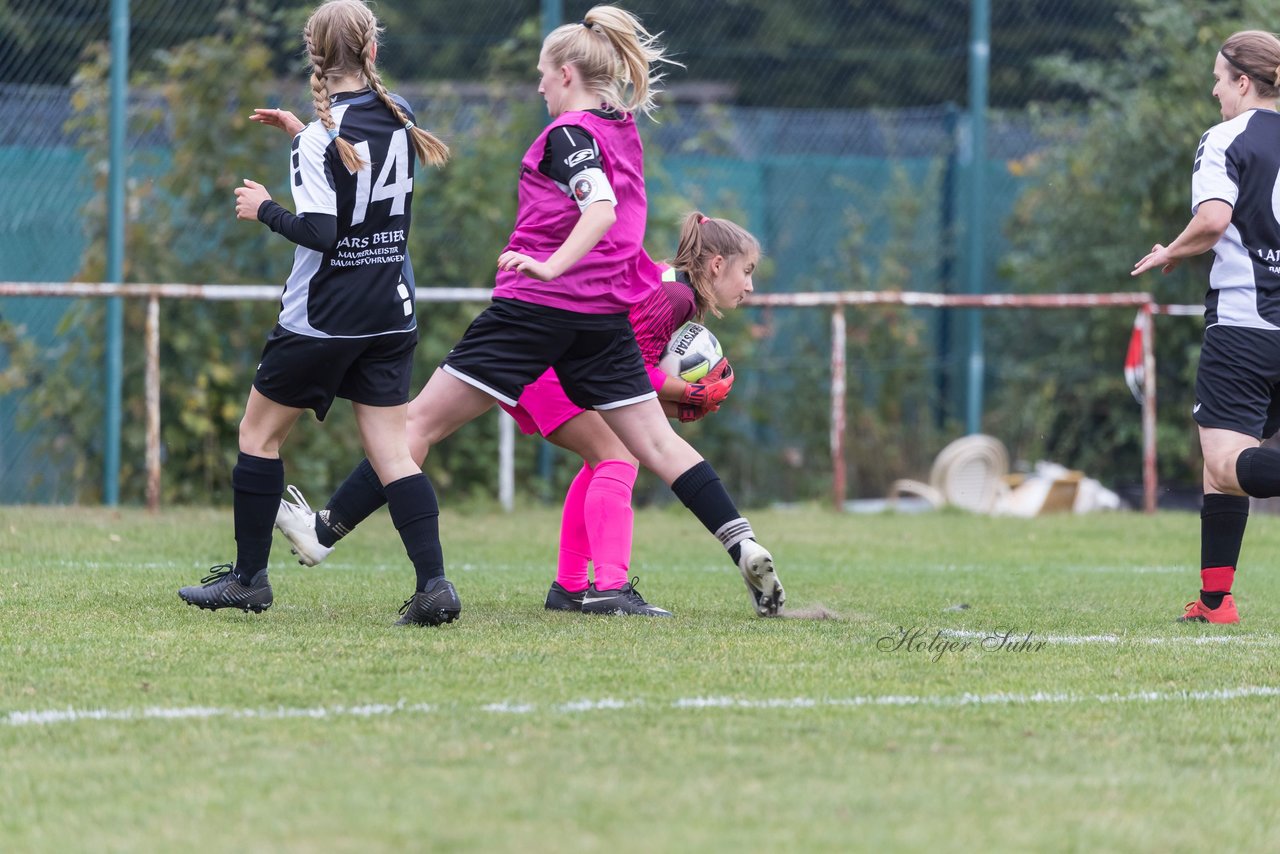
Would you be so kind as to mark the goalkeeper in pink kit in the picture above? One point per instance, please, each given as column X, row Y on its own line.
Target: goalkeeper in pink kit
column 573, row 271
column 712, row 271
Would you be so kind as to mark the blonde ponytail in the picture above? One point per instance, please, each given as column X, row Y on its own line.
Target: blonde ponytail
column 615, row 55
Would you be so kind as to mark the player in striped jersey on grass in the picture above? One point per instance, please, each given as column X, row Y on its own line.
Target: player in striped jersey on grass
column 347, row 327
column 1235, row 185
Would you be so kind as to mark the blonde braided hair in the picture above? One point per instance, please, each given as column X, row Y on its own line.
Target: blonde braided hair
column 341, row 36
column 428, row 148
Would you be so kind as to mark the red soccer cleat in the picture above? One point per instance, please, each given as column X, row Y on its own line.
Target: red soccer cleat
column 1198, row 612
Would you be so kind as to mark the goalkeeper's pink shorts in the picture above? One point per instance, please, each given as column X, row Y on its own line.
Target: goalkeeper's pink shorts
column 543, row 406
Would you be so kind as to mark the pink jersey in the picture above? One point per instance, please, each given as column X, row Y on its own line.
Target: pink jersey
column 606, row 280
column 660, row 314
column 664, row 311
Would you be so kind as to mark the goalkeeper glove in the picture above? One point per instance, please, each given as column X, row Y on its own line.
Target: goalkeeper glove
column 711, row 391
column 687, row 412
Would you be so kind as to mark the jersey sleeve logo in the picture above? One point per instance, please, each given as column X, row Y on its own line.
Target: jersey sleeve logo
column 579, row 156
column 1200, row 153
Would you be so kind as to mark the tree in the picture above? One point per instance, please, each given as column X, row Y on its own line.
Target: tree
column 836, row 54
column 1104, row 190
column 803, row 53
column 45, row 43
column 180, row 229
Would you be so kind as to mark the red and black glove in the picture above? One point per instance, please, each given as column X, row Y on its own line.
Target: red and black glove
column 708, row 393
column 687, row 412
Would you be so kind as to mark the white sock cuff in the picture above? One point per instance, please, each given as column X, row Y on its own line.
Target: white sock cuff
column 735, row 531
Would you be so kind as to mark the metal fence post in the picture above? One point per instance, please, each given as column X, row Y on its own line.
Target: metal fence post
column 979, row 68
column 839, row 488
column 552, row 15
column 1150, row 483
column 115, row 250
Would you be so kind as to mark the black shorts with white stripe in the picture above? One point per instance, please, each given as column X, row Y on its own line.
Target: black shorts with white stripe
column 512, row 342
column 1238, row 380
column 308, row 373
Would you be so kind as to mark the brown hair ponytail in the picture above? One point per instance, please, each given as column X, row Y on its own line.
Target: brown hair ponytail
column 701, row 239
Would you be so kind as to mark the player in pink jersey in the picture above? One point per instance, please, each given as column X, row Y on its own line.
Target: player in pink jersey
column 570, row 272
column 716, row 259
column 712, row 272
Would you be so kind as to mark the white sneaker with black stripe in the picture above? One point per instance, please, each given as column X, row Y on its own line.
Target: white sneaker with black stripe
column 756, row 565
column 298, row 524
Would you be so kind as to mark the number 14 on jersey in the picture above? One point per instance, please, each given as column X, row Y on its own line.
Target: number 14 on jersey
column 394, row 181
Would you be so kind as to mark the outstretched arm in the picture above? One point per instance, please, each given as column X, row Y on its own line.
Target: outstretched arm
column 315, row 231
column 1205, row 229
column 283, row 119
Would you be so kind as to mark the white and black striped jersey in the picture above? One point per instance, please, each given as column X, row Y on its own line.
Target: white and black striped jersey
column 1238, row 162
column 362, row 285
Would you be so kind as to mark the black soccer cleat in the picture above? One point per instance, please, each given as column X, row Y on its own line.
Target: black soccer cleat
column 625, row 600
column 559, row 599
column 436, row 605
column 222, row 588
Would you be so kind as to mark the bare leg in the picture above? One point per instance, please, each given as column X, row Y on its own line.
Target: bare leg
column 444, row 404
column 1221, row 449
column 588, row 436
column 646, row 432
column 382, row 432
column 265, row 425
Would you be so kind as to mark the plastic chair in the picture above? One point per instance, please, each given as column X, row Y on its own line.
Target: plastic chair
column 968, row 473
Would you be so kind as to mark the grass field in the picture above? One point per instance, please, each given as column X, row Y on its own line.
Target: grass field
column 131, row 722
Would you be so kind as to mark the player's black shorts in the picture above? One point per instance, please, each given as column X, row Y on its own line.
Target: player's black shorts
column 1238, row 381
column 308, row 373
column 511, row 343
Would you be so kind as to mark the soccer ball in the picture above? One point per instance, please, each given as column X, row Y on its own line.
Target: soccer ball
column 691, row 353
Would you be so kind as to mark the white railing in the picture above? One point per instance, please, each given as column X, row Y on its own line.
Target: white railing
column 153, row 293
column 836, row 301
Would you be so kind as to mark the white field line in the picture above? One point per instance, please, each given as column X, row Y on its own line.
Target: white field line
column 69, row 715
column 1076, row 640
column 50, row 717
column 340, row 561
column 1090, row 568
column 1127, row 569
